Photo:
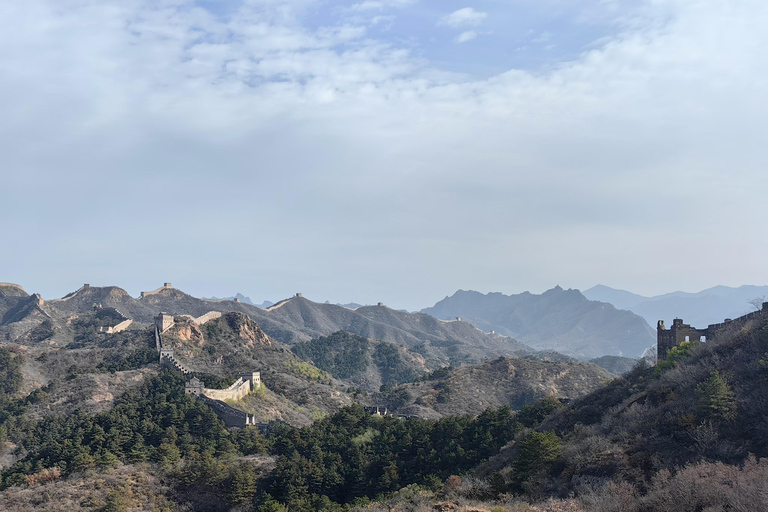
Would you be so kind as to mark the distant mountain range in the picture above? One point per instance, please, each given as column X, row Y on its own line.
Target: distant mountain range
column 562, row 320
column 289, row 321
column 700, row 309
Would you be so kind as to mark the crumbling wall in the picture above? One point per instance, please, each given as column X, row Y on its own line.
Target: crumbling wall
column 666, row 339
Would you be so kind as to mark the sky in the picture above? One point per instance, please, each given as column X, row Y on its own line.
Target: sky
column 383, row 150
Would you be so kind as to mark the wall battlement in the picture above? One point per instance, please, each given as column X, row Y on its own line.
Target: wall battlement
column 667, row 339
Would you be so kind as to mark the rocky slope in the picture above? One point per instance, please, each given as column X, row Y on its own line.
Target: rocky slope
column 296, row 391
column 471, row 389
column 562, row 320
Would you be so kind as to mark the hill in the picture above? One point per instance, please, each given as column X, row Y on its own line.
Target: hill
column 92, row 369
column 692, row 425
column 293, row 320
column 506, row 381
column 615, row 364
column 295, row 391
column 561, row 320
column 364, row 363
column 699, row 309
column 12, row 290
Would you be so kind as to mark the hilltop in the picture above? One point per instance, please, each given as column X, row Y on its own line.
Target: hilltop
column 561, row 320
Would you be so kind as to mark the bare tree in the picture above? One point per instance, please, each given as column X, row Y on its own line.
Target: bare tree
column 757, row 302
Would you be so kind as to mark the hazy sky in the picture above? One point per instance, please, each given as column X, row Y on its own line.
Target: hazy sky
column 391, row 150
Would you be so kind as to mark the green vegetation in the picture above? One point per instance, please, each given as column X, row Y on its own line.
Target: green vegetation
column 535, row 453
column 674, row 356
column 394, row 369
column 306, row 371
column 120, row 361
column 341, row 354
column 319, row 464
column 156, row 422
column 716, row 398
column 532, row 415
column 10, row 374
column 348, row 356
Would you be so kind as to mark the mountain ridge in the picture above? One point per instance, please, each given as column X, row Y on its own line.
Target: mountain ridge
column 558, row 319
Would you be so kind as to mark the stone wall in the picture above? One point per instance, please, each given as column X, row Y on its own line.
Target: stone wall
column 211, row 315
column 229, row 415
column 242, row 386
column 117, row 328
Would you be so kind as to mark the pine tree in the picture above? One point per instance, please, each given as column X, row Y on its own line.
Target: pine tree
column 716, row 398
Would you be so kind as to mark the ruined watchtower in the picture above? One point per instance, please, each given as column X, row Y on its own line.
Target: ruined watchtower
column 680, row 332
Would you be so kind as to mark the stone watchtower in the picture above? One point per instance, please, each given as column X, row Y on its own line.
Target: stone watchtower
column 193, row 387
column 254, row 378
column 163, row 322
column 680, row 332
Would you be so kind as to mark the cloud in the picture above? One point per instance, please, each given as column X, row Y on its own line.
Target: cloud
column 466, row 36
column 351, row 168
column 377, row 5
column 466, row 17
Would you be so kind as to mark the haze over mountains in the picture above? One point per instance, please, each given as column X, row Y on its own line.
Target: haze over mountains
column 289, row 321
column 558, row 319
column 699, row 309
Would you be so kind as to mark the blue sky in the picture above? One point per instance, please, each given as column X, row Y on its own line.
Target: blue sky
column 386, row 150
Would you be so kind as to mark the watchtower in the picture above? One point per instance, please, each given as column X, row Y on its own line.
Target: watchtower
column 254, row 378
column 193, row 387
column 163, row 322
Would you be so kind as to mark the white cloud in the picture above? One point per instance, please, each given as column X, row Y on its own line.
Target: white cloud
column 463, row 18
column 119, row 117
column 377, row 5
column 466, row 36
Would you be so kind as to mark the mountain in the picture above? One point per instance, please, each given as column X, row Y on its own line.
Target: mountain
column 240, row 297
column 698, row 309
column 561, row 320
column 12, row 290
column 289, row 321
column 364, row 363
column 470, row 389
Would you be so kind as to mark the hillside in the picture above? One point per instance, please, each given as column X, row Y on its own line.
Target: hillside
column 296, row 391
column 698, row 309
column 690, row 426
column 439, row 342
column 293, row 320
column 615, row 364
column 561, row 320
column 366, row 364
column 505, row 381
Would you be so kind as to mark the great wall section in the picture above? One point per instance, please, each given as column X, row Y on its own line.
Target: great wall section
column 214, row 398
column 666, row 339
